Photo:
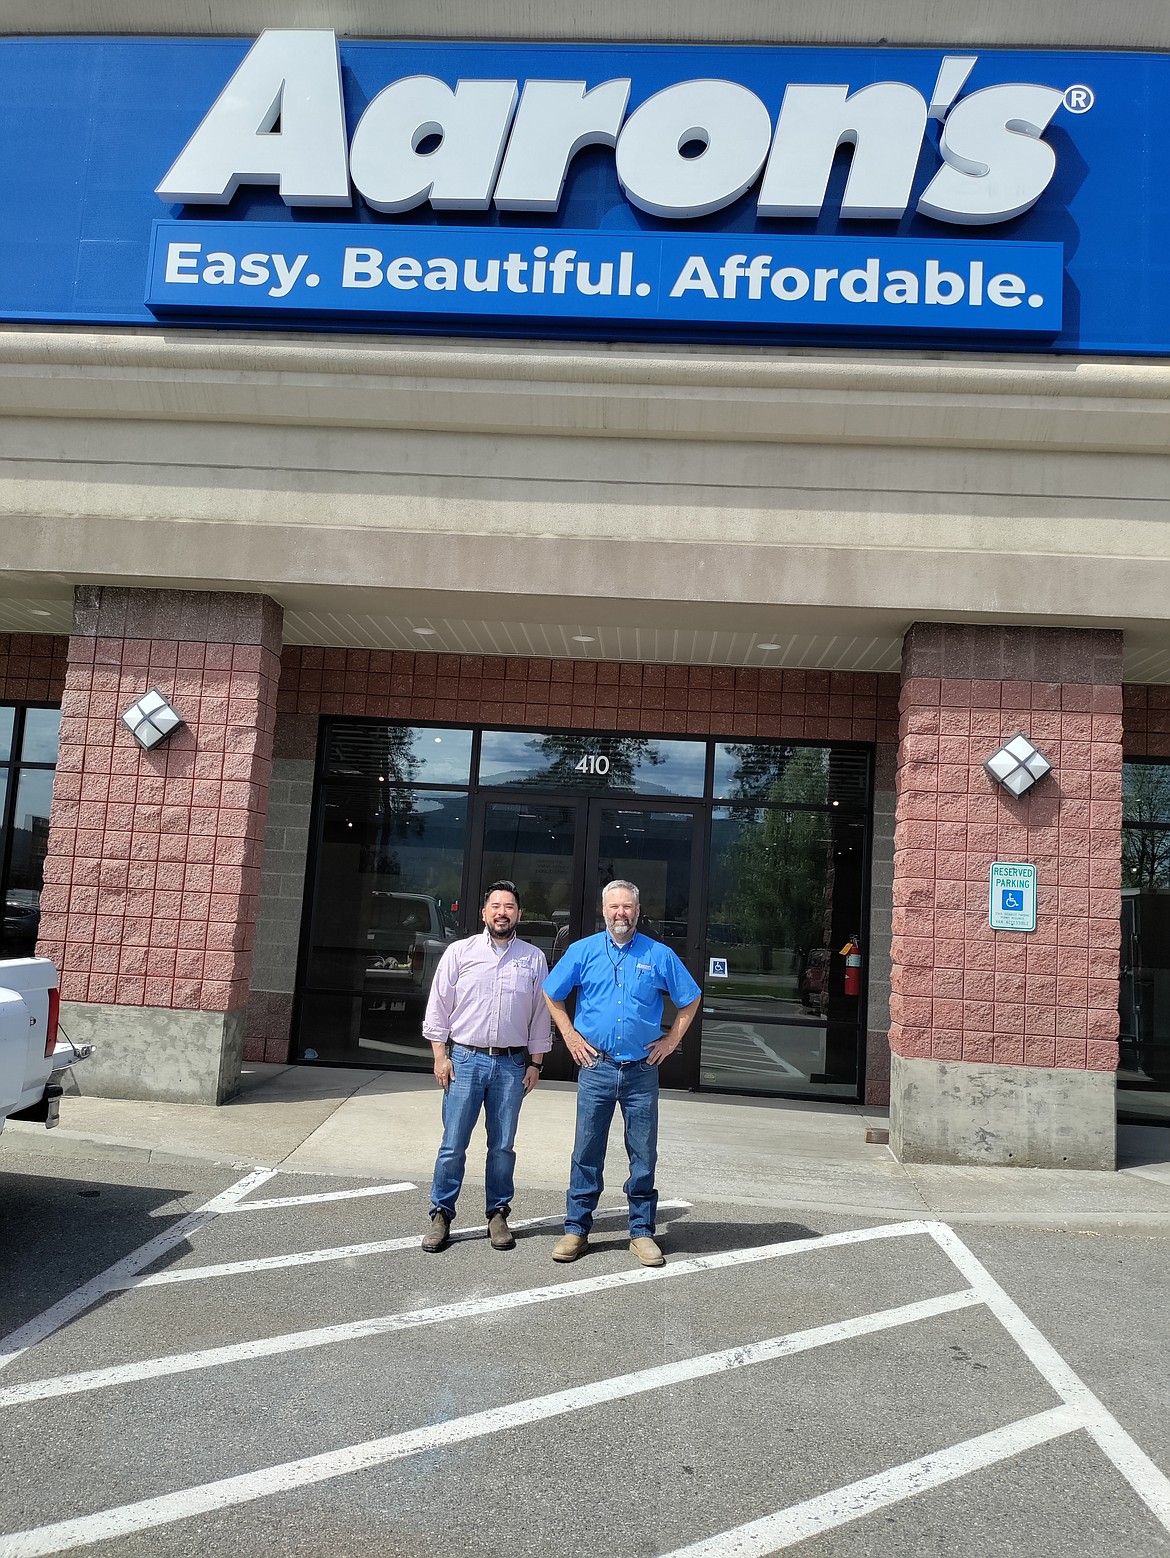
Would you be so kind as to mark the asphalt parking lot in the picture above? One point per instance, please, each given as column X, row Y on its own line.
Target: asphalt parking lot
column 284, row 1373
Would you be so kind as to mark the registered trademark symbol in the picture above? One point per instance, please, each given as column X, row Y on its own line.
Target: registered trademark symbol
column 1079, row 99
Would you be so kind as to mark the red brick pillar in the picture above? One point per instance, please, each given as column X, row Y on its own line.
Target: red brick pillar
column 153, row 868
column 1004, row 1042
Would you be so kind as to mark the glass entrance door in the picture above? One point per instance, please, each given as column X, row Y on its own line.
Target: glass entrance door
column 785, row 896
column 539, row 845
column 561, row 854
column 654, row 847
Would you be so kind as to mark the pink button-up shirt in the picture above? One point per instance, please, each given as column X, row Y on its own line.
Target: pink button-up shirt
column 488, row 999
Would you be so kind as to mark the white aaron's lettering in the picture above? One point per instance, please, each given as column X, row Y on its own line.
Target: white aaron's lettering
column 293, row 78
column 687, row 151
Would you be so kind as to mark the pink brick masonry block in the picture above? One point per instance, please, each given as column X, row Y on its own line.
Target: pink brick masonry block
column 515, row 690
column 1034, row 1000
column 154, row 857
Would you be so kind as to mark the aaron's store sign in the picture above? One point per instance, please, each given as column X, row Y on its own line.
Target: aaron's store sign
column 1000, row 199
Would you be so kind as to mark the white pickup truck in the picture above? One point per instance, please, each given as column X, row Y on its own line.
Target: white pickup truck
column 31, row 1059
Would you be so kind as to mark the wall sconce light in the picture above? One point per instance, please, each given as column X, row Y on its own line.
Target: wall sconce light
column 151, row 719
column 1018, row 765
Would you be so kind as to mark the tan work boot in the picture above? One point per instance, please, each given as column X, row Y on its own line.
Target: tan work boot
column 570, row 1246
column 440, row 1234
column 499, row 1233
column 647, row 1251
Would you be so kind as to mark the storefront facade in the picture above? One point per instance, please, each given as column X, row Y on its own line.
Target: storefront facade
column 720, row 545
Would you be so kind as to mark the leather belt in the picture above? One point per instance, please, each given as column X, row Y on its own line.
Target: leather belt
column 613, row 1060
column 490, row 1049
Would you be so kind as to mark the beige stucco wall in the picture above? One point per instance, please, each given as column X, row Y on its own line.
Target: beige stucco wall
column 1065, row 24
column 855, row 491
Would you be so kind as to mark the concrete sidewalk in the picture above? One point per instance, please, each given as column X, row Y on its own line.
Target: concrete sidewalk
column 385, row 1125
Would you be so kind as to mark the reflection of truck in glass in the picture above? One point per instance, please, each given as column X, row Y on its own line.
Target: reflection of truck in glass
column 30, row 1057
column 22, row 919
column 406, row 935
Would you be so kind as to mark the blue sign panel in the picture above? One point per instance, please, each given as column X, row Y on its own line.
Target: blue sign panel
column 266, row 268
column 1004, row 199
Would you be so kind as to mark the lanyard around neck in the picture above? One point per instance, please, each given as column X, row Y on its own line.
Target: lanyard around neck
column 621, row 957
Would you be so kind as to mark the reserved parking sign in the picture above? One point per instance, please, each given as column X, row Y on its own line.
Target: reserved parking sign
column 1013, row 896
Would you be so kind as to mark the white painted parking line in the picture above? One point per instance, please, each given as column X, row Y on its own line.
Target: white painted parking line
column 116, row 1276
column 1150, row 1484
column 149, row 1514
column 331, row 1335
column 236, row 1268
column 828, row 1511
column 325, row 1195
column 1081, row 1410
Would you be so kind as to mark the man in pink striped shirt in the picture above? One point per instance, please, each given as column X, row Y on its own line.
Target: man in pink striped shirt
column 489, row 1028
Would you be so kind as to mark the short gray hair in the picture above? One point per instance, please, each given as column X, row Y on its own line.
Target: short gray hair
column 629, row 887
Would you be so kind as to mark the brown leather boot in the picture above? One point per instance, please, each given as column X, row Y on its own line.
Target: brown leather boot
column 499, row 1233
column 439, row 1235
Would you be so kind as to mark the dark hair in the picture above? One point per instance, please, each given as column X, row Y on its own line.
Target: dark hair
column 501, row 887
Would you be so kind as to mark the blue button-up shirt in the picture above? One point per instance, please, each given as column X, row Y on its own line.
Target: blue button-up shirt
column 619, row 1008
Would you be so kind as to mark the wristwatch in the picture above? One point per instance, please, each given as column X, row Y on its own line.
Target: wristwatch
column 536, row 1061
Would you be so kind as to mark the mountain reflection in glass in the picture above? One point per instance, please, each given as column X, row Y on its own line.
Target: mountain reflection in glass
column 801, row 775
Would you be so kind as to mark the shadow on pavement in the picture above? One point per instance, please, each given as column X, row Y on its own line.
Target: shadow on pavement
column 1139, row 1146
column 57, row 1231
column 682, row 1237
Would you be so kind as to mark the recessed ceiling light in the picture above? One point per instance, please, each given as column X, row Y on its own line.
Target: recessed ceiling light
column 583, row 638
column 769, row 646
column 35, row 611
column 425, row 632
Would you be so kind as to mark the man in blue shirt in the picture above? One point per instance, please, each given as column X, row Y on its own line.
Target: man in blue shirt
column 616, row 1039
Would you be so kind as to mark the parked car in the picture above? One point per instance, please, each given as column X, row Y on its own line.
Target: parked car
column 408, row 933
column 32, row 1058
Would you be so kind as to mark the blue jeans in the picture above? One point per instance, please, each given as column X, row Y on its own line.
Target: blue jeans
column 495, row 1085
column 601, row 1088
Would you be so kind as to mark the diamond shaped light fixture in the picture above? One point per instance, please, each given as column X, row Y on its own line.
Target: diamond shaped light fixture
column 151, row 719
column 1018, row 765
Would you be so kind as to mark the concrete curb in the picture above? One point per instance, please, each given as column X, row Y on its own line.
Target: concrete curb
column 71, row 1146
column 60, row 1143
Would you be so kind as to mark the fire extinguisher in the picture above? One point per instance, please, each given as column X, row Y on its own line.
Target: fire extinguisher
column 852, row 954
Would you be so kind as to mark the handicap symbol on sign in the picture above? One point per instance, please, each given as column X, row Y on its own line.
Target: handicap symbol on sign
column 717, row 968
column 1013, row 898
